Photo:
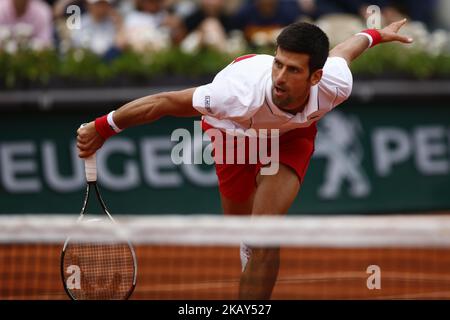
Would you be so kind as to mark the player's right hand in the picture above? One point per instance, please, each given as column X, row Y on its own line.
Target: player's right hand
column 88, row 140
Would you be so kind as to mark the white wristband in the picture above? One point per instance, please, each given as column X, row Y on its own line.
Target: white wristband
column 111, row 122
column 366, row 35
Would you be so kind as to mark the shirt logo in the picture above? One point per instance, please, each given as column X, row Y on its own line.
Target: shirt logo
column 208, row 104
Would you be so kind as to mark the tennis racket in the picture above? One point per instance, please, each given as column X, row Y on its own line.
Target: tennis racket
column 97, row 270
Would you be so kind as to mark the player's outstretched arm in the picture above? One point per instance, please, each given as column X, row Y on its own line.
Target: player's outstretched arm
column 137, row 112
column 353, row 47
column 151, row 108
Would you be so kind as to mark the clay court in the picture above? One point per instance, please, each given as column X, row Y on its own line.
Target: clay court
column 182, row 272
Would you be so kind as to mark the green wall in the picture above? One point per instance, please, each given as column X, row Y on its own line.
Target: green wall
column 369, row 159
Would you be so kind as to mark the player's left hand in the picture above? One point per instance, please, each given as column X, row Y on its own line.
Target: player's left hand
column 390, row 33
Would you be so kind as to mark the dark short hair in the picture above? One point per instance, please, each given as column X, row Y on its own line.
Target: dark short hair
column 302, row 37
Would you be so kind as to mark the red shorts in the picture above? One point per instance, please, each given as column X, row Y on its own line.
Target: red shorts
column 238, row 181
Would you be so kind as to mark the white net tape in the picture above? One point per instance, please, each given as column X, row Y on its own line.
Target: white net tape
column 336, row 231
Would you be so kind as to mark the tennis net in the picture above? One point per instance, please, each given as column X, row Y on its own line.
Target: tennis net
column 198, row 256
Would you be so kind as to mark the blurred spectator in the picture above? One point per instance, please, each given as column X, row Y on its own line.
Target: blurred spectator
column 317, row 8
column 340, row 26
column 26, row 22
column 99, row 28
column 124, row 6
column 392, row 10
column 145, row 27
column 209, row 10
column 60, row 7
column 422, row 11
column 208, row 25
column 261, row 20
column 181, row 8
column 442, row 14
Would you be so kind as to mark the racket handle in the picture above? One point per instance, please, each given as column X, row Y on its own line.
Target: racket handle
column 90, row 168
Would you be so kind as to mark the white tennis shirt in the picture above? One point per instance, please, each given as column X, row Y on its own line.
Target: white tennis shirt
column 240, row 96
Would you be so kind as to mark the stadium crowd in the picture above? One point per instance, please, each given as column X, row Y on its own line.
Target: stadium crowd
column 108, row 27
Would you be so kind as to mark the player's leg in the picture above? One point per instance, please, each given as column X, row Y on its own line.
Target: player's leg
column 274, row 195
column 232, row 207
column 236, row 184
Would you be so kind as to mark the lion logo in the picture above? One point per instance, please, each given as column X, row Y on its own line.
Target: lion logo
column 338, row 142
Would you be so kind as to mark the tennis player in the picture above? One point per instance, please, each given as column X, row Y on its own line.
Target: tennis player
column 290, row 92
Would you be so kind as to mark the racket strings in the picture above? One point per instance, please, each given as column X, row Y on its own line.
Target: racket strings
column 106, row 270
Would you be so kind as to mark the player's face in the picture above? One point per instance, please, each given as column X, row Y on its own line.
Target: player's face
column 291, row 80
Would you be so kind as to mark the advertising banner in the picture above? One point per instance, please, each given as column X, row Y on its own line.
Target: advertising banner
column 368, row 159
